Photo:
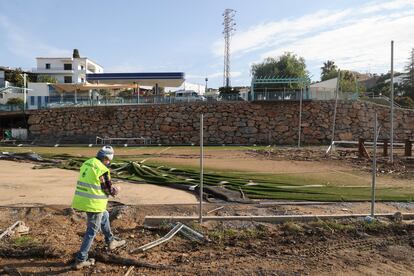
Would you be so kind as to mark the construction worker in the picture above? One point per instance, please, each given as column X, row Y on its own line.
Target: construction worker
column 91, row 196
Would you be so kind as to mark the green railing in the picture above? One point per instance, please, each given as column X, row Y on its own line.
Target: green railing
column 10, row 107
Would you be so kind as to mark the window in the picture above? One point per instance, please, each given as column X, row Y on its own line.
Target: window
column 47, row 65
column 32, row 100
column 46, row 100
column 82, row 68
column 68, row 79
column 67, row 66
column 82, row 80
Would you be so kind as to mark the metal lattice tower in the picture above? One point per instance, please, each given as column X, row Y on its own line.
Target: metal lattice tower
column 229, row 28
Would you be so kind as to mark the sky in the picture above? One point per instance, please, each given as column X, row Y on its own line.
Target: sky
column 186, row 35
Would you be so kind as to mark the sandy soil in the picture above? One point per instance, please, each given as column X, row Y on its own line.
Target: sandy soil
column 20, row 184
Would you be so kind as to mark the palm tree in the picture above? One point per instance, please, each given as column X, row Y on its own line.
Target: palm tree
column 329, row 70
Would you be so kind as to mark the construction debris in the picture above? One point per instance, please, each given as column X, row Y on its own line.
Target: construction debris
column 129, row 271
column 21, row 157
column 215, row 209
column 179, row 227
column 21, row 228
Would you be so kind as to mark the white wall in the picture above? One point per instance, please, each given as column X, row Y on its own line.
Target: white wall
column 38, row 95
column 2, row 79
column 4, row 97
column 324, row 90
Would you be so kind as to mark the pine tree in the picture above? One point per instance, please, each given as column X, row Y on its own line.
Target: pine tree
column 408, row 82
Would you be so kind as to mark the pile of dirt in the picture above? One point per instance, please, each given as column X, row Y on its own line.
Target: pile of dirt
column 234, row 248
column 402, row 167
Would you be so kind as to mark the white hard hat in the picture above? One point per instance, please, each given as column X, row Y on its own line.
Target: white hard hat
column 106, row 151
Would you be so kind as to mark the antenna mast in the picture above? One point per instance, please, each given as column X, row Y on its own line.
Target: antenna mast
column 229, row 29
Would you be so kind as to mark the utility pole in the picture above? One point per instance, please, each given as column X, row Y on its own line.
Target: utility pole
column 24, row 91
column 228, row 30
column 412, row 68
column 200, row 215
column 338, row 84
column 300, row 116
column 374, row 166
column 392, row 104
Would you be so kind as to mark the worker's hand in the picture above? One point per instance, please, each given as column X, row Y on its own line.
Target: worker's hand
column 115, row 190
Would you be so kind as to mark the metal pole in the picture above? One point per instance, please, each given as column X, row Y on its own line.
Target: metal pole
column 252, row 89
column 374, row 166
column 336, row 105
column 356, row 84
column 300, row 116
column 201, row 167
column 206, row 85
column 24, row 91
column 392, row 104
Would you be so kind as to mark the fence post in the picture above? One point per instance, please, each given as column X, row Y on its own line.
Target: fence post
column 385, row 152
column 361, row 147
column 408, row 147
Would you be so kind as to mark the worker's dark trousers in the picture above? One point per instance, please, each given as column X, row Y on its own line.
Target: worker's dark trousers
column 96, row 221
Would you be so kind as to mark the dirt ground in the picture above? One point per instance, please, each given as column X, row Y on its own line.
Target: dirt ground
column 41, row 199
column 20, row 184
column 234, row 248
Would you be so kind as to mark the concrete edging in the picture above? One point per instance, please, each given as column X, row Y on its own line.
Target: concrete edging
column 156, row 220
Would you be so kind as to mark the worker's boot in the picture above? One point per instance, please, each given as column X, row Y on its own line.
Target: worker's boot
column 82, row 264
column 115, row 243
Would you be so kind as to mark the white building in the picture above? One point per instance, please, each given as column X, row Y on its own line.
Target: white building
column 323, row 90
column 7, row 90
column 64, row 70
column 67, row 69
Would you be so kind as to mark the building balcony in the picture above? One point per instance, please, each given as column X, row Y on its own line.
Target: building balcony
column 85, row 71
column 53, row 70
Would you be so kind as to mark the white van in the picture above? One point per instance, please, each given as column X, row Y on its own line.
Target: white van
column 188, row 96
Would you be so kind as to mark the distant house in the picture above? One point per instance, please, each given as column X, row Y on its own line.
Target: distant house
column 2, row 79
column 212, row 93
column 323, row 90
column 66, row 69
column 399, row 79
column 7, row 89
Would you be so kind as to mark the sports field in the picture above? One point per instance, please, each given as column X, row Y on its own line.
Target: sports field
column 254, row 175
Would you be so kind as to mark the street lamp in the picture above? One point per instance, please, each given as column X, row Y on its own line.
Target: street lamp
column 206, row 83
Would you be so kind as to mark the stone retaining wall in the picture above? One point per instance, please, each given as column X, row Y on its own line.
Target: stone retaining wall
column 225, row 122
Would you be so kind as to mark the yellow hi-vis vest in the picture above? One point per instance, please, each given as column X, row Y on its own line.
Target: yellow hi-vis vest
column 89, row 196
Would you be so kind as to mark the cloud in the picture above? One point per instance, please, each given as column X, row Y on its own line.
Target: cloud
column 377, row 6
column 21, row 44
column 214, row 75
column 363, row 44
column 266, row 34
column 355, row 38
